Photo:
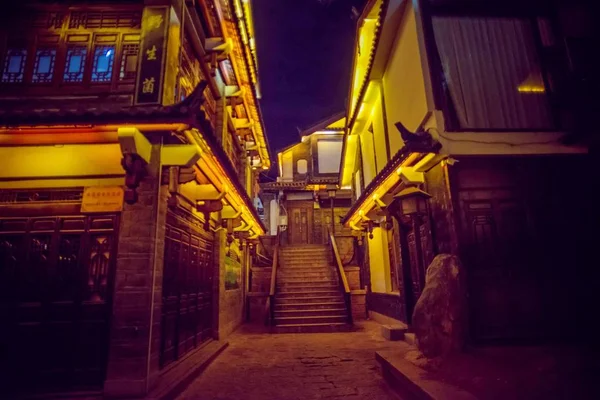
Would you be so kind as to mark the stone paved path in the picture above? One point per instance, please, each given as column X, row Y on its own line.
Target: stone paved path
column 259, row 366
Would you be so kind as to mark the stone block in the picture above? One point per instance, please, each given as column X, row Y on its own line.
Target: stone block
column 393, row 332
column 439, row 318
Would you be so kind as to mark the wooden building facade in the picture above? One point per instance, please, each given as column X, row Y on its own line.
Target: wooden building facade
column 306, row 198
column 474, row 113
column 130, row 143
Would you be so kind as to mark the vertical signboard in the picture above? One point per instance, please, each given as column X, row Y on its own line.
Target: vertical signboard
column 155, row 23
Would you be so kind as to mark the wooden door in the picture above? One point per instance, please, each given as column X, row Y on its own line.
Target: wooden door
column 56, row 285
column 301, row 223
column 187, row 313
column 299, row 226
column 497, row 247
column 416, row 254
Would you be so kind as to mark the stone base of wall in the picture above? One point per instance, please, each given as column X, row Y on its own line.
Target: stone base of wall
column 384, row 319
column 353, row 277
column 359, row 304
column 261, row 279
column 256, row 307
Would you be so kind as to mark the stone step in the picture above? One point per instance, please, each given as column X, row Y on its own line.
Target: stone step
column 296, row 301
column 315, row 255
column 304, row 247
column 410, row 338
column 304, row 267
column 307, row 276
column 284, row 288
column 311, row 320
column 319, row 312
column 306, row 282
column 312, row 328
column 301, row 273
column 307, row 293
column 302, row 305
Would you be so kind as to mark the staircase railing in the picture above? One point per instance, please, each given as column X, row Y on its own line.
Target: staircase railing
column 339, row 267
column 270, row 303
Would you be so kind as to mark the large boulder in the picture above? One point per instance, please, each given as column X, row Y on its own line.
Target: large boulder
column 440, row 317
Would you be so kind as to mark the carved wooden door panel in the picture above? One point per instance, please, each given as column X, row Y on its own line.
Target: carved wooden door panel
column 187, row 286
column 416, row 252
column 300, row 225
column 494, row 249
column 56, row 285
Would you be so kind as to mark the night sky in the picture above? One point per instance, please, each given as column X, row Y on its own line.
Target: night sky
column 304, row 60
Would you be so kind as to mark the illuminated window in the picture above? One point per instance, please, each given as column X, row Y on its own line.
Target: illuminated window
column 129, row 60
column 75, row 64
column 302, row 166
column 14, row 65
column 44, row 66
column 104, row 57
column 492, row 72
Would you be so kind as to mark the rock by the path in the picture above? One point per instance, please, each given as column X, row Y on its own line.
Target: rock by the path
column 440, row 316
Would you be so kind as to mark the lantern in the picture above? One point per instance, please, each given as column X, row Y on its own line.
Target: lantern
column 412, row 200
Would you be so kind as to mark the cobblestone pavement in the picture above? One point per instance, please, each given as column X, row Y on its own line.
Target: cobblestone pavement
column 259, row 366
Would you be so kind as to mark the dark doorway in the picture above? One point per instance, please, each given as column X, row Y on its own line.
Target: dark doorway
column 56, row 286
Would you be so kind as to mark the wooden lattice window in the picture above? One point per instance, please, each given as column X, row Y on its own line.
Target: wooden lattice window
column 75, row 64
column 14, row 65
column 48, row 20
column 129, row 60
column 105, row 19
column 43, row 68
column 104, row 57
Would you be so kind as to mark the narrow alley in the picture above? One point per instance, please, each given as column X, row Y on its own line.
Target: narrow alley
column 259, row 366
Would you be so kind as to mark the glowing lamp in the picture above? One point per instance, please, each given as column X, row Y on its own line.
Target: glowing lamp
column 412, row 200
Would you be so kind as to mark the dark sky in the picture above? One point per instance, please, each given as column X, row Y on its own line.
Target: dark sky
column 304, row 60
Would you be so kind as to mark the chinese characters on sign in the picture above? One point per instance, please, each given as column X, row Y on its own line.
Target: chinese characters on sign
column 102, row 199
column 154, row 31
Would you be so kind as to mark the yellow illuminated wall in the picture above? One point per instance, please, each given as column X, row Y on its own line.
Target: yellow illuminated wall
column 368, row 156
column 379, row 134
column 379, row 260
column 403, row 81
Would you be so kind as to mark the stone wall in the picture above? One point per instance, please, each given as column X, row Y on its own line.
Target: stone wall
column 261, row 279
column 359, row 306
column 139, row 267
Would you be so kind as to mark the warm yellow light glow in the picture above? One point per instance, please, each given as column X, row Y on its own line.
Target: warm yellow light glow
column 531, row 89
column 399, row 170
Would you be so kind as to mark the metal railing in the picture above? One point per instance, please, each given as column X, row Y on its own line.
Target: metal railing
column 339, row 267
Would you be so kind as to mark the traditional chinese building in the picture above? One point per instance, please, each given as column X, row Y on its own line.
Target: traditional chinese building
column 130, row 142
column 306, row 197
column 466, row 135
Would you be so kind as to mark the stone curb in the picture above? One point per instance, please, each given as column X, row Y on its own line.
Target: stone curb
column 192, row 366
column 408, row 379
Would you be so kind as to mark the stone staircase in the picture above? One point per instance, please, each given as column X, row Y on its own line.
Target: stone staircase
column 308, row 297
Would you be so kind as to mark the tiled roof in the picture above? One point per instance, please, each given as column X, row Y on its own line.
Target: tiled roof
column 390, row 167
column 187, row 111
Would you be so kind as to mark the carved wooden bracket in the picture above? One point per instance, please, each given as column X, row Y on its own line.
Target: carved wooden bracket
column 135, row 171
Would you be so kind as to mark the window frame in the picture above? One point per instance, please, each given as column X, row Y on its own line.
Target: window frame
column 31, row 40
column 529, row 11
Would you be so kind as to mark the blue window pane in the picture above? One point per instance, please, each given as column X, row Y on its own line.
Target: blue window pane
column 14, row 65
column 103, row 63
column 75, row 64
column 44, row 66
